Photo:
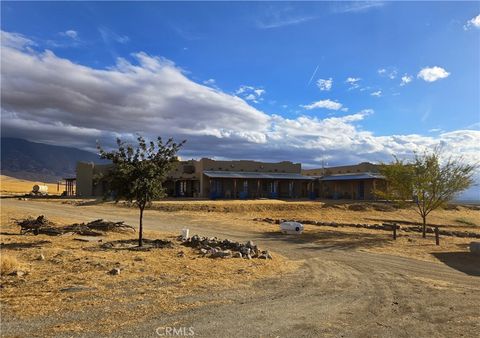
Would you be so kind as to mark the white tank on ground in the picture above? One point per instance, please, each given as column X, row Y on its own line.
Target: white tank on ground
column 291, row 228
column 40, row 189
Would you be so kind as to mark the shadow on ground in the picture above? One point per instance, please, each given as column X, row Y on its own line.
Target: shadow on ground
column 19, row 246
column 465, row 262
column 332, row 239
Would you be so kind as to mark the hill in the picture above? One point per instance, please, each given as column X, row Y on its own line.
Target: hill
column 40, row 162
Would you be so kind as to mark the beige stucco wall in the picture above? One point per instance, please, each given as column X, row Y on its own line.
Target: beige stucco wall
column 346, row 169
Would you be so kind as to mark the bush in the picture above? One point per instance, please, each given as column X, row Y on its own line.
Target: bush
column 8, row 264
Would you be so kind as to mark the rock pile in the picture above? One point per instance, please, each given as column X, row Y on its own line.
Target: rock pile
column 384, row 226
column 215, row 248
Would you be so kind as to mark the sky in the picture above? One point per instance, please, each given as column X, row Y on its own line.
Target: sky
column 332, row 82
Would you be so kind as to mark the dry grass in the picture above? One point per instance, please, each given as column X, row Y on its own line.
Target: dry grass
column 8, row 264
column 150, row 282
column 14, row 186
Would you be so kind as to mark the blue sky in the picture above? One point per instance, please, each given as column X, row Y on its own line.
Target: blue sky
column 338, row 81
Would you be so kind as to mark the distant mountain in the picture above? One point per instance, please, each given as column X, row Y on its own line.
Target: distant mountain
column 41, row 162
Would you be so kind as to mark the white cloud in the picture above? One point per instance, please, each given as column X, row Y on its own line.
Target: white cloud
column 70, row 33
column 390, row 72
column 327, row 104
column 51, row 99
column 378, row 93
column 406, row 79
column 325, row 84
column 15, row 40
column 281, row 16
column 251, row 93
column 474, row 22
column 108, row 35
column 353, row 82
column 356, row 6
column 431, row 74
column 210, row 82
column 259, row 92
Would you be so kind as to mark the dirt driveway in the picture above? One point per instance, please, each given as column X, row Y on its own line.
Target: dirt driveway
column 338, row 292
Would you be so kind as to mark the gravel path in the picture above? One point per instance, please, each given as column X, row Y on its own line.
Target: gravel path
column 336, row 293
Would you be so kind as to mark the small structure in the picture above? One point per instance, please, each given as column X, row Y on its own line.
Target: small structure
column 70, row 184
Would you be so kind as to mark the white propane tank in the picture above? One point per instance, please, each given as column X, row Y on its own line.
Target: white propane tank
column 291, row 228
column 40, row 189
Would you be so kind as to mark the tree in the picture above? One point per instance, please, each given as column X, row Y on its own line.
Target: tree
column 428, row 181
column 138, row 173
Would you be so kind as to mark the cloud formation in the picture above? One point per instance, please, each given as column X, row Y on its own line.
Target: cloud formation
column 325, row 84
column 473, row 23
column 406, row 79
column 327, row 104
column 390, row 72
column 251, row 93
column 51, row 99
column 70, row 33
column 431, row 74
column 353, row 82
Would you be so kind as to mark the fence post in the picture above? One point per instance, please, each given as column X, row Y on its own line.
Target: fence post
column 437, row 236
column 394, row 226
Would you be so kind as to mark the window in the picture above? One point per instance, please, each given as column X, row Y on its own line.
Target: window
column 245, row 186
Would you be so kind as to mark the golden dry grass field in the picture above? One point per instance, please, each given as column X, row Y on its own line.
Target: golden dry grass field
column 12, row 186
column 150, row 282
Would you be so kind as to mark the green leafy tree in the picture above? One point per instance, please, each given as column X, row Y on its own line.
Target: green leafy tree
column 427, row 181
column 138, row 173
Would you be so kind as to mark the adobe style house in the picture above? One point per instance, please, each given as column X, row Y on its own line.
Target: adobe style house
column 356, row 182
column 207, row 178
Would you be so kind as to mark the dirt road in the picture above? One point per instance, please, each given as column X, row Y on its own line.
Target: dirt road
column 338, row 292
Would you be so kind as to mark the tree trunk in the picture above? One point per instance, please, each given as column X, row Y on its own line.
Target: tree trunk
column 424, row 227
column 140, row 229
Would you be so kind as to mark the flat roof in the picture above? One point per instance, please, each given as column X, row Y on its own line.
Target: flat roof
column 256, row 175
column 356, row 176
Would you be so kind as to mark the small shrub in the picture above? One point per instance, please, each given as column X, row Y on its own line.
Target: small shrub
column 8, row 264
column 358, row 207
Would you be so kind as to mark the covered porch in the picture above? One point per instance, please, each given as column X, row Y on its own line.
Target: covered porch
column 247, row 185
column 360, row 186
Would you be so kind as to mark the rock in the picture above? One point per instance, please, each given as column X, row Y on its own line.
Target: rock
column 475, row 248
column 245, row 251
column 114, row 271
column 138, row 259
column 203, row 251
column 18, row 273
column 237, row 255
column 250, row 244
column 181, row 254
column 265, row 255
column 41, row 257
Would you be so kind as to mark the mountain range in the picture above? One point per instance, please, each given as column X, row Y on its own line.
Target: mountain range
column 40, row 162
